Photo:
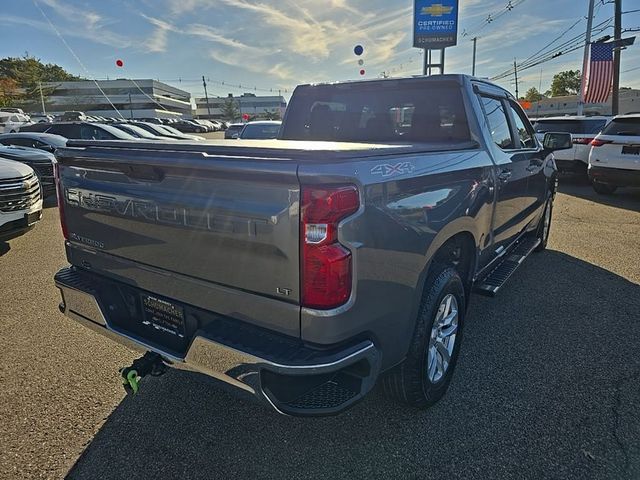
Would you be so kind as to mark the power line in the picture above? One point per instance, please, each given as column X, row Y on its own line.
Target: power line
column 76, row 57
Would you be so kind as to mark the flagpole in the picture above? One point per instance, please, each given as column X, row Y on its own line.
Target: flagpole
column 585, row 59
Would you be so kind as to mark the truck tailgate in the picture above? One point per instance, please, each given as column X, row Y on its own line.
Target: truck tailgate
column 231, row 222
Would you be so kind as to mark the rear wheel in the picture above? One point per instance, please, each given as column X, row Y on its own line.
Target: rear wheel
column 423, row 377
column 603, row 188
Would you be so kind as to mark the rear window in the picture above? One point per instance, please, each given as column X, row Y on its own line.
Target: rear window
column 569, row 126
column 378, row 112
column 260, row 132
column 623, row 126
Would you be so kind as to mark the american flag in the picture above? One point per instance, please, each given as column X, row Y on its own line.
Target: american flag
column 599, row 73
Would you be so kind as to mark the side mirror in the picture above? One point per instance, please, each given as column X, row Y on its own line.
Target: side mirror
column 553, row 141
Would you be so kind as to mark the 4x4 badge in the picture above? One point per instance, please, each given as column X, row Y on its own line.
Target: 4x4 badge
column 390, row 169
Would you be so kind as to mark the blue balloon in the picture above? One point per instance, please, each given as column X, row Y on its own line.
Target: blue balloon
column 358, row 50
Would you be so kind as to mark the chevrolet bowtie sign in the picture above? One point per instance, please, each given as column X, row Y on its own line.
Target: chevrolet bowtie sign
column 435, row 24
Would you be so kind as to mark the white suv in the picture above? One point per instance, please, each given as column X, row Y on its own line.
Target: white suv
column 614, row 160
column 582, row 129
column 20, row 199
column 12, row 122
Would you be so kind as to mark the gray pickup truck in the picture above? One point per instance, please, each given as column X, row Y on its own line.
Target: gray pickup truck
column 303, row 269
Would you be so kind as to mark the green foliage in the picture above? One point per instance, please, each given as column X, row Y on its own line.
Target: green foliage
column 272, row 115
column 230, row 110
column 26, row 73
column 533, row 95
column 565, row 83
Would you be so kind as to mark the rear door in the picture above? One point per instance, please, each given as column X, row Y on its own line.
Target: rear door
column 514, row 205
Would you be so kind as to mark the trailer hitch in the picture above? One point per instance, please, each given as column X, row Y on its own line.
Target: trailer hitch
column 149, row 364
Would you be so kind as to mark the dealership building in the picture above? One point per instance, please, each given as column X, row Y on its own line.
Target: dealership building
column 133, row 98
column 629, row 102
column 256, row 106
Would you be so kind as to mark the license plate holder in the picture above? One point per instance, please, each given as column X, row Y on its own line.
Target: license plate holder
column 631, row 150
column 163, row 315
column 32, row 218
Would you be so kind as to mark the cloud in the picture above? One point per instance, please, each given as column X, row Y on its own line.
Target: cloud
column 157, row 41
column 87, row 24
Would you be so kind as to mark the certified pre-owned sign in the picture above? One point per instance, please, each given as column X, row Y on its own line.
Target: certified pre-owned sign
column 435, row 23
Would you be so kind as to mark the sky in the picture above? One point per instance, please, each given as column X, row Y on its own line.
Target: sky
column 264, row 46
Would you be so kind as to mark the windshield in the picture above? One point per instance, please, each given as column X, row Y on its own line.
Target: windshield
column 570, row 126
column 623, row 126
column 378, row 112
column 260, row 132
column 168, row 129
column 116, row 132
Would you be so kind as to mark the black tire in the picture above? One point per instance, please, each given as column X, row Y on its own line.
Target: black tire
column 541, row 232
column 409, row 381
column 603, row 188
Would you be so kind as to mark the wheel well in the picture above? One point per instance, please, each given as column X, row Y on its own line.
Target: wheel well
column 459, row 252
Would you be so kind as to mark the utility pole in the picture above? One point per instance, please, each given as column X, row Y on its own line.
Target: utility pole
column 206, row 97
column 130, row 107
column 473, row 68
column 617, row 51
column 515, row 71
column 44, row 110
column 585, row 59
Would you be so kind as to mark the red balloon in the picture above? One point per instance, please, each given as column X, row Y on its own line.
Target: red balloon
column 119, row 63
column 362, row 72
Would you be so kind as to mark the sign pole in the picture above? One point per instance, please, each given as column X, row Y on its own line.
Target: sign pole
column 617, row 35
column 585, row 59
column 473, row 64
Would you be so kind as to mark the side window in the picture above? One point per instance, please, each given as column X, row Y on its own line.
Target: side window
column 525, row 132
column 498, row 123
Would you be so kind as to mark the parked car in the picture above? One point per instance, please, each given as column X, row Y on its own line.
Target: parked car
column 582, row 129
column 20, row 199
column 81, row 130
column 233, row 130
column 188, row 126
column 302, row 269
column 166, row 131
column 614, row 160
column 41, row 117
column 260, row 130
column 140, row 132
column 206, row 124
column 42, row 141
column 13, row 122
column 40, row 161
column 72, row 116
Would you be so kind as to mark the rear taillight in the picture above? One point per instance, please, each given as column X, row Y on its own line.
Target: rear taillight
column 582, row 141
column 60, row 195
column 325, row 273
column 596, row 142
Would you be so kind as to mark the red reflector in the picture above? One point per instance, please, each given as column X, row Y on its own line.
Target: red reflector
column 596, row 142
column 325, row 265
column 60, row 195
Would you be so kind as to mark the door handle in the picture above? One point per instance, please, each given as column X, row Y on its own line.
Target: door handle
column 534, row 166
column 504, row 175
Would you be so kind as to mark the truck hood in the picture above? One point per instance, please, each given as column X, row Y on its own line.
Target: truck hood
column 25, row 154
column 12, row 169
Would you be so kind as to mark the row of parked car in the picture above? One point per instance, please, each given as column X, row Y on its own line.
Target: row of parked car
column 14, row 119
column 606, row 149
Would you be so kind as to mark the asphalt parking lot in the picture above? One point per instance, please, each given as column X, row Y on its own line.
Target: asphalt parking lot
column 547, row 385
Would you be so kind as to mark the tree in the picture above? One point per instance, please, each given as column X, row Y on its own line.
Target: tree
column 230, row 110
column 27, row 73
column 533, row 95
column 10, row 93
column 565, row 83
column 272, row 114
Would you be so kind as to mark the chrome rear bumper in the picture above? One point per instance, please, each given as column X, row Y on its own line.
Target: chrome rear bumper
column 306, row 382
